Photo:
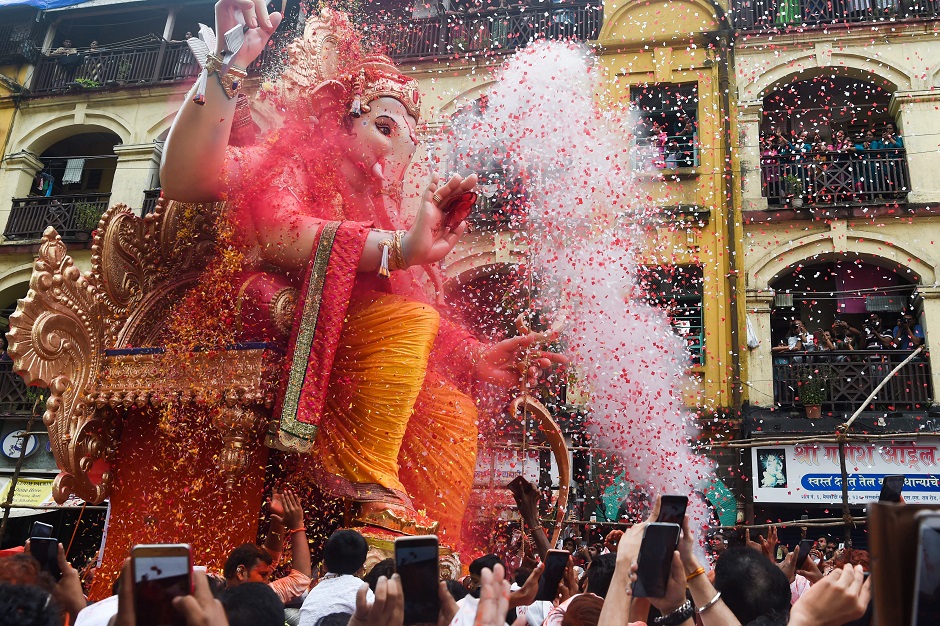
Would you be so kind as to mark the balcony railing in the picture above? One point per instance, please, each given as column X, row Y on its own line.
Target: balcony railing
column 15, row 396
column 782, row 14
column 150, row 201
column 73, row 216
column 486, row 32
column 18, row 36
column 159, row 62
column 669, row 152
column 832, row 178
column 851, row 376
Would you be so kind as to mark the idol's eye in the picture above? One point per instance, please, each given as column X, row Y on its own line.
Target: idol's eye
column 386, row 125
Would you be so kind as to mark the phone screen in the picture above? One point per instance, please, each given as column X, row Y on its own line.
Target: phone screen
column 157, row 580
column 672, row 509
column 927, row 587
column 416, row 560
column 805, row 546
column 556, row 561
column 891, row 487
column 655, row 560
column 46, row 551
column 40, row 530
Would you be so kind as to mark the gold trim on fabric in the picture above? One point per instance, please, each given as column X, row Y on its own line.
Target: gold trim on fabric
column 294, row 433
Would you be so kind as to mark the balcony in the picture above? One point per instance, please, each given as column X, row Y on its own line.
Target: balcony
column 836, row 178
column 158, row 62
column 15, row 397
column 750, row 15
column 851, row 376
column 73, row 216
column 150, row 201
column 496, row 31
column 18, row 36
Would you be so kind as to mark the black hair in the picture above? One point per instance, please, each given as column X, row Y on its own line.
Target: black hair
column 27, row 605
column 385, row 568
column 247, row 555
column 252, row 604
column 487, row 561
column 751, row 585
column 345, row 552
column 599, row 574
column 522, row 575
column 334, row 619
column 457, row 591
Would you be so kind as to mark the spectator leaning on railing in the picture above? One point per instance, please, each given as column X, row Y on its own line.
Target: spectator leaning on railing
column 908, row 334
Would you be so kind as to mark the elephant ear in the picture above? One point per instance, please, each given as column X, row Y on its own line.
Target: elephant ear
column 328, row 96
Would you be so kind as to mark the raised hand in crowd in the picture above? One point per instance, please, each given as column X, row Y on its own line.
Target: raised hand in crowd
column 568, row 585
column 494, row 599
column 527, row 498
column 788, row 564
column 810, row 571
column 388, row 609
column 68, row 591
column 768, row 546
column 838, row 598
column 711, row 609
column 525, row 595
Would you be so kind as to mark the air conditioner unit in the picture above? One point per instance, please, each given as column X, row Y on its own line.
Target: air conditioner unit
column 783, row 300
column 885, row 304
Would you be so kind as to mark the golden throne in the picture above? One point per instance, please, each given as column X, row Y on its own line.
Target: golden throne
column 91, row 339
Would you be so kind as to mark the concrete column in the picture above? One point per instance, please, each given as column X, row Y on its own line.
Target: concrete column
column 749, row 114
column 138, row 169
column 931, row 321
column 916, row 115
column 17, row 176
column 760, row 373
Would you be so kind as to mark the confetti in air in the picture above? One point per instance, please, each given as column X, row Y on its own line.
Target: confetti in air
column 541, row 125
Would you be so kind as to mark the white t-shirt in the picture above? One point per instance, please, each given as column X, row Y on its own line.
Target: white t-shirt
column 99, row 613
column 333, row 594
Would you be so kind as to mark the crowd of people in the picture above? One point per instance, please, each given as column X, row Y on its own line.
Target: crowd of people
column 732, row 584
column 665, row 145
column 874, row 335
column 838, row 169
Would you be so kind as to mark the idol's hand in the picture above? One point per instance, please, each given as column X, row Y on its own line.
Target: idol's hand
column 260, row 26
column 429, row 240
column 506, row 362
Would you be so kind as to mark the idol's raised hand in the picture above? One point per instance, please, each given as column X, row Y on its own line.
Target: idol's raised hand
column 260, row 26
column 430, row 239
column 508, row 361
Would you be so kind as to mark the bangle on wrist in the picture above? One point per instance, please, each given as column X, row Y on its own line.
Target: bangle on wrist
column 393, row 256
column 709, row 604
column 290, row 533
column 697, row 572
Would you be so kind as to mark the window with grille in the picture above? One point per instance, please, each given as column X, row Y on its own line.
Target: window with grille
column 666, row 135
column 678, row 290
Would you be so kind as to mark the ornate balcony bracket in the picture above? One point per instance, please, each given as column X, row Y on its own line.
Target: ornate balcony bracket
column 72, row 333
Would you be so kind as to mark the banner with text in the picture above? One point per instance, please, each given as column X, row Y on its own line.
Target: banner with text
column 811, row 473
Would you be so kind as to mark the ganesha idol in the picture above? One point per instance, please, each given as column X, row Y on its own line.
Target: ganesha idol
column 376, row 380
column 280, row 270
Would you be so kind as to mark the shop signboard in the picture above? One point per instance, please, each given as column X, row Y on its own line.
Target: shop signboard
column 811, row 473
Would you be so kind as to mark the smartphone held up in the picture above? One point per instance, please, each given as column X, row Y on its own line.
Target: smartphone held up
column 654, row 562
column 160, row 573
column 416, row 561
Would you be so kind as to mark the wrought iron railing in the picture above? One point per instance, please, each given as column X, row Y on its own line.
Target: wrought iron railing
column 160, row 61
column 73, row 216
column 150, row 201
column 831, row 178
column 19, row 33
column 667, row 152
column 485, row 32
column 782, row 14
column 849, row 377
column 15, row 396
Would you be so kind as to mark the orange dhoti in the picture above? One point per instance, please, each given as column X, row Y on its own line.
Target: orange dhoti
column 391, row 431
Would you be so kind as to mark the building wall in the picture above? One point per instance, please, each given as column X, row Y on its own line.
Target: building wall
column 901, row 58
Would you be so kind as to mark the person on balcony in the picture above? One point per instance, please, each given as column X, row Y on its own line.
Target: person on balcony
column 874, row 336
column 892, row 149
column 908, row 334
